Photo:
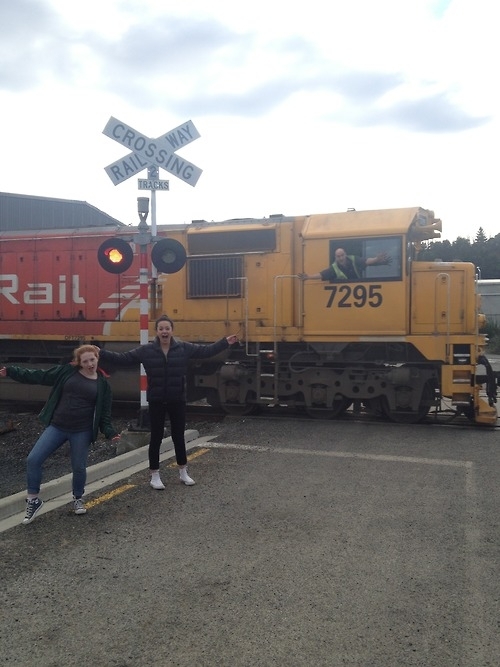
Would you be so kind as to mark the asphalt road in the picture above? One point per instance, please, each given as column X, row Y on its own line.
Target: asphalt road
column 304, row 543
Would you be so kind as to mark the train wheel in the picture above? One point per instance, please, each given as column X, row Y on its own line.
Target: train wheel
column 338, row 407
column 375, row 406
column 407, row 416
column 229, row 403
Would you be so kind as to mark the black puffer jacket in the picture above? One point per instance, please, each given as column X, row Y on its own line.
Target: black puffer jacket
column 166, row 375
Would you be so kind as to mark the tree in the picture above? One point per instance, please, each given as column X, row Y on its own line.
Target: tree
column 480, row 236
column 484, row 253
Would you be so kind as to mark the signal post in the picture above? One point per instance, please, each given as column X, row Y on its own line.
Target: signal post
column 143, row 239
column 167, row 255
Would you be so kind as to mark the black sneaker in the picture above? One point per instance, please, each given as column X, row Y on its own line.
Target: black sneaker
column 32, row 508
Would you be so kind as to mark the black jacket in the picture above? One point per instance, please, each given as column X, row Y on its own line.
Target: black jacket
column 166, row 375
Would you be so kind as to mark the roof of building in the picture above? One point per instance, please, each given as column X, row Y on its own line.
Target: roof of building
column 26, row 212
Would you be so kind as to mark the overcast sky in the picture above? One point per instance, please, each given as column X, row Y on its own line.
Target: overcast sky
column 307, row 107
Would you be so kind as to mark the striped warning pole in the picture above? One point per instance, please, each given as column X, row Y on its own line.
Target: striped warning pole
column 144, row 317
column 144, row 240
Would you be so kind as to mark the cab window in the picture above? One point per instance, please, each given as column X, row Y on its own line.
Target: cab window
column 371, row 247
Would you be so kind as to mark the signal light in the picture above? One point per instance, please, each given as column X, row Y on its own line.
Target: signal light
column 115, row 255
column 168, row 255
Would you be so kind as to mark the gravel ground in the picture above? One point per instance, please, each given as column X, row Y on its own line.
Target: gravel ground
column 19, row 432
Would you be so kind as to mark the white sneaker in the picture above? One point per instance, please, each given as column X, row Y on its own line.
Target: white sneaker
column 156, row 482
column 185, row 478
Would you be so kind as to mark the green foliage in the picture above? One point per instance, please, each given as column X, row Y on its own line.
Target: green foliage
column 480, row 236
column 484, row 253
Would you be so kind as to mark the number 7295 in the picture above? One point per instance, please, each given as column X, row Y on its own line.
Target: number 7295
column 347, row 296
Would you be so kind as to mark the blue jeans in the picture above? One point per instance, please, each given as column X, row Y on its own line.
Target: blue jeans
column 50, row 440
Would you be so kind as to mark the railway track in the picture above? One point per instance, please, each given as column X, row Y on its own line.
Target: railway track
column 201, row 412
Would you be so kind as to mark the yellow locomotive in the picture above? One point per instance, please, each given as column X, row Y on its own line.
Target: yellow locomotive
column 398, row 336
column 331, row 310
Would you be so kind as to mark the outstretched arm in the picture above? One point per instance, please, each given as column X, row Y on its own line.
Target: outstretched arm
column 47, row 377
column 310, row 276
column 381, row 258
column 130, row 358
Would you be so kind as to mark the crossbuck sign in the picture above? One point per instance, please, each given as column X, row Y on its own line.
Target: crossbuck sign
column 160, row 152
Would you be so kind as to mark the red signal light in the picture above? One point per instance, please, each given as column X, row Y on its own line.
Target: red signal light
column 115, row 255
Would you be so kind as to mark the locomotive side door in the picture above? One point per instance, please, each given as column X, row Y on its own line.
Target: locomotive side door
column 443, row 298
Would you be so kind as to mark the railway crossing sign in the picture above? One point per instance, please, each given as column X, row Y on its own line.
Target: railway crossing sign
column 146, row 152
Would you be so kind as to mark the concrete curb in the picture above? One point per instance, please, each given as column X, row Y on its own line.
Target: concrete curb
column 98, row 476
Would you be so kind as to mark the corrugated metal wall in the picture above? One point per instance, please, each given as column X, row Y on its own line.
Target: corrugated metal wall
column 26, row 212
column 490, row 300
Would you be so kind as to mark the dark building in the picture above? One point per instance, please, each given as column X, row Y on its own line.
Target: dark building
column 25, row 212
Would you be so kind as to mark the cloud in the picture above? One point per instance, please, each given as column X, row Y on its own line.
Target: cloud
column 187, row 63
column 338, row 94
column 431, row 114
column 174, row 46
column 366, row 86
column 30, row 43
column 159, row 63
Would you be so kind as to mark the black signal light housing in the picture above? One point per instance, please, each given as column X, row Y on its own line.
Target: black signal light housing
column 115, row 255
column 168, row 255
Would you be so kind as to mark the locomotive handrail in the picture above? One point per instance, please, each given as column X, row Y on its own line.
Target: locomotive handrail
column 446, row 277
column 275, row 299
column 243, row 280
column 275, row 322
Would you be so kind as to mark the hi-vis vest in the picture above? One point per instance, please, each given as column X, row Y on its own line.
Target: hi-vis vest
column 340, row 274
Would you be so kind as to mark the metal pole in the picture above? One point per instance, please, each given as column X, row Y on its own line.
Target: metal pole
column 143, row 239
column 144, row 325
column 153, row 218
column 153, row 173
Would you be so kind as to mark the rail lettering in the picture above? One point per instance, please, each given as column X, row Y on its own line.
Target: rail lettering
column 67, row 290
column 346, row 296
column 11, row 289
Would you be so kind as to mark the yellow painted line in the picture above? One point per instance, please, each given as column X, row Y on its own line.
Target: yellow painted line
column 192, row 456
column 109, row 495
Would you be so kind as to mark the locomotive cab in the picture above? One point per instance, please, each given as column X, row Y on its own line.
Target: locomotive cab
column 407, row 331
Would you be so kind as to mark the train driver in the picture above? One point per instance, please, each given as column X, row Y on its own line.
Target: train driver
column 347, row 267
